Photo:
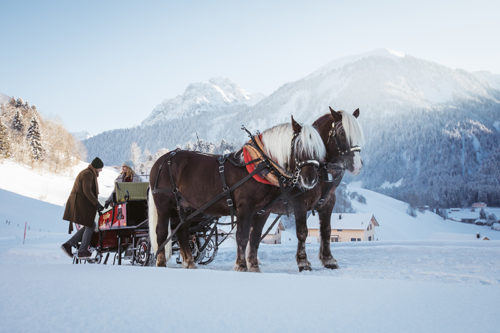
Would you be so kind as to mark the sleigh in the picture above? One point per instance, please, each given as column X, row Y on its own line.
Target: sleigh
column 123, row 231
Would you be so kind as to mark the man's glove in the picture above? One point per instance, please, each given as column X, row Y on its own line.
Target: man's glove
column 99, row 207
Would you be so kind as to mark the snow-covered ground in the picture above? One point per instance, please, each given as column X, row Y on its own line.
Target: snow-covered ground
column 49, row 187
column 424, row 274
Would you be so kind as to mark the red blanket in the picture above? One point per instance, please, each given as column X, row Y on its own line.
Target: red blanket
column 251, row 168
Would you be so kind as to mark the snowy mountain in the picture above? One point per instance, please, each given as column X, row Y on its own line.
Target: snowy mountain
column 4, row 99
column 216, row 95
column 435, row 128
column 381, row 83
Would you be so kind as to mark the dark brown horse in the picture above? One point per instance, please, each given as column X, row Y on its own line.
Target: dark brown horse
column 195, row 177
column 343, row 139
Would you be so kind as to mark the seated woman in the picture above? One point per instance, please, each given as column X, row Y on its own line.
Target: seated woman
column 126, row 176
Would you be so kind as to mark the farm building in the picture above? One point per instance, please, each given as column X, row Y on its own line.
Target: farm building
column 345, row 227
column 274, row 235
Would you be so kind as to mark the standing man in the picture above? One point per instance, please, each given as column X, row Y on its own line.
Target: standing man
column 81, row 208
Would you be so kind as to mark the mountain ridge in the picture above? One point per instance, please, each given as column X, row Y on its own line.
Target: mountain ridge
column 416, row 114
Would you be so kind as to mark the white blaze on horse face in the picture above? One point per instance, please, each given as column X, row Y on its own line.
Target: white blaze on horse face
column 357, row 163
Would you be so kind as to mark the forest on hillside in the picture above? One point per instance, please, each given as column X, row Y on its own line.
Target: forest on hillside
column 27, row 138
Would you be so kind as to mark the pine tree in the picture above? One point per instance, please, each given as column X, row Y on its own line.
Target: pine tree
column 34, row 138
column 5, row 149
column 17, row 122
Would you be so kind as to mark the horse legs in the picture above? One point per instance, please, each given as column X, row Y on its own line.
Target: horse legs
column 325, row 254
column 258, row 222
column 161, row 235
column 242, row 235
column 301, row 230
column 183, row 239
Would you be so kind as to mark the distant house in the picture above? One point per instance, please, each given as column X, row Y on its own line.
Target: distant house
column 479, row 205
column 274, row 235
column 346, row 227
column 463, row 215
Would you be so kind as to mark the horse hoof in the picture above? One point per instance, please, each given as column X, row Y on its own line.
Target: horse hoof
column 191, row 266
column 305, row 268
column 254, row 269
column 240, row 268
column 161, row 260
column 330, row 263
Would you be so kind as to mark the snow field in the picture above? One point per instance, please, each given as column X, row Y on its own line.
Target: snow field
column 423, row 275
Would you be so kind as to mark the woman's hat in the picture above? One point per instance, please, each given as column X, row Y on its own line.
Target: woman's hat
column 128, row 164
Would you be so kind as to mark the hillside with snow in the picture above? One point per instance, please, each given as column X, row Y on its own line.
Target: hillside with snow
column 423, row 274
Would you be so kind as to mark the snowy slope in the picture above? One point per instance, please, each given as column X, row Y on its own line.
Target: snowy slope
column 408, row 282
column 396, row 224
column 49, row 187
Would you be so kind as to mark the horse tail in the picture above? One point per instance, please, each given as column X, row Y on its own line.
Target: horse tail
column 153, row 221
column 168, row 247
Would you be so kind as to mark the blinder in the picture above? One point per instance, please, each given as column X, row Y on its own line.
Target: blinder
column 333, row 134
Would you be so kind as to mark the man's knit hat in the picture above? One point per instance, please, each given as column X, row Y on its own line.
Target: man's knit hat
column 97, row 163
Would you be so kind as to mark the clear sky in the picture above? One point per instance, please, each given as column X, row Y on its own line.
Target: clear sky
column 100, row 65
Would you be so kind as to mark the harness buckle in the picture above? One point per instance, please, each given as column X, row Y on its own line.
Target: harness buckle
column 260, row 212
column 221, row 168
column 230, row 202
column 225, row 189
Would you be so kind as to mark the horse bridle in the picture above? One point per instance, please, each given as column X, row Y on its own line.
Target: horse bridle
column 300, row 164
column 336, row 127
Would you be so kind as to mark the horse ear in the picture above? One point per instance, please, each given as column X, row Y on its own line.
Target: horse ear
column 356, row 113
column 337, row 116
column 296, row 126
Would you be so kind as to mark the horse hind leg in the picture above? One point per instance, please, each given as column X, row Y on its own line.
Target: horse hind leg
column 254, row 242
column 242, row 235
column 162, row 232
column 187, row 256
